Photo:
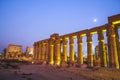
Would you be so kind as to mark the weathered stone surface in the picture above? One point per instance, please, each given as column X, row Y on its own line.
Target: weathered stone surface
column 56, row 55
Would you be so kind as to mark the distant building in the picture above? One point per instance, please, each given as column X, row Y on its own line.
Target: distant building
column 29, row 51
column 14, row 51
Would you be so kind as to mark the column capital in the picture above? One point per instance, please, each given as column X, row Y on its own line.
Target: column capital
column 57, row 40
column 71, row 40
column 89, row 37
column 51, row 41
column 37, row 44
column 100, row 35
column 47, row 41
column 65, row 41
column 110, row 30
column 79, row 39
column 43, row 43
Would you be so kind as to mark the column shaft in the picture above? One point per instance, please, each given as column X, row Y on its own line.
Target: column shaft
column 102, row 52
column 65, row 50
column 71, row 49
column 34, row 50
column 46, row 58
column 57, row 51
column 37, row 51
column 51, row 49
column 40, row 50
column 80, row 55
column 89, row 50
column 43, row 51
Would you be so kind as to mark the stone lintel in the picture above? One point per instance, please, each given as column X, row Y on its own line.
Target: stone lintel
column 114, row 18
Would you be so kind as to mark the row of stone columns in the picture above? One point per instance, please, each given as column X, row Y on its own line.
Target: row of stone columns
column 41, row 51
column 53, row 46
column 50, row 49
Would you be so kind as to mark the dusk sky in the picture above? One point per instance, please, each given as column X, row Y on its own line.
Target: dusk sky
column 23, row 22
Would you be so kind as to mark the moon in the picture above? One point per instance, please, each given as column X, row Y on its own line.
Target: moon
column 95, row 20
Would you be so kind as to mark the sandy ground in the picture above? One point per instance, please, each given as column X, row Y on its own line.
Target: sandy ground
column 28, row 71
column 37, row 72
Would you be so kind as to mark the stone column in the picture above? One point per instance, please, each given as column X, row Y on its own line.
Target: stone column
column 112, row 48
column 34, row 50
column 40, row 51
column 57, row 51
column 89, row 50
column 71, row 49
column 80, row 55
column 51, row 50
column 107, row 56
column 65, row 50
column 102, row 48
column 46, row 58
column 37, row 52
column 117, row 43
column 43, row 51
